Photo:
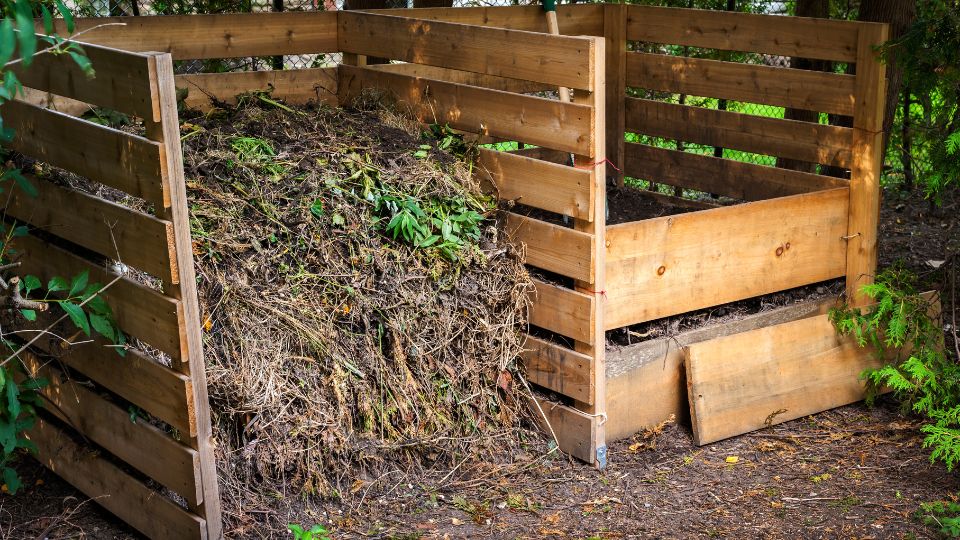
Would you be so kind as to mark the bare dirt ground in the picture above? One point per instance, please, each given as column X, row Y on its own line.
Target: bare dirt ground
column 854, row 472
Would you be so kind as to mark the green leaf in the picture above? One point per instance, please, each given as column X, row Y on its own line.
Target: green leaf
column 29, row 314
column 83, row 62
column 79, row 283
column 67, row 16
column 103, row 326
column 32, row 283
column 8, row 41
column 25, row 36
column 47, row 19
column 77, row 315
column 99, row 306
column 57, row 284
column 21, row 181
column 12, row 481
column 12, row 392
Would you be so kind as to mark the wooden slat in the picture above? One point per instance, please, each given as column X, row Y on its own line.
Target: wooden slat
column 557, row 60
column 102, row 154
column 464, row 77
column 615, row 47
column 122, row 81
column 560, row 369
column 784, row 87
column 571, row 427
column 139, row 311
column 805, row 141
column 573, row 19
column 139, row 444
column 674, row 264
column 540, row 184
column 544, row 154
column 293, row 86
column 564, row 311
column 106, row 484
column 533, row 120
column 552, row 247
column 746, row 381
column 736, row 179
column 224, row 35
column 142, row 241
column 770, row 34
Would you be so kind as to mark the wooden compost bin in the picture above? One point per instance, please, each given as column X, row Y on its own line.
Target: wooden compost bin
column 477, row 69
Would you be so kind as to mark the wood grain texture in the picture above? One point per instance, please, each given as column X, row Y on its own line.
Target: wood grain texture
column 674, row 264
column 783, row 87
column 464, row 77
column 615, row 47
column 571, row 427
column 532, row 120
column 516, row 54
column 804, row 141
column 540, row 184
column 564, row 311
column 735, row 179
column 294, row 86
column 573, row 19
column 552, row 247
column 770, row 34
column 560, row 369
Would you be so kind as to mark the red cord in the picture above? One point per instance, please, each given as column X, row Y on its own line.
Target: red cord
column 595, row 163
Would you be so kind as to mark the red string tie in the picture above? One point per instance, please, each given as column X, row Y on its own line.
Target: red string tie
column 597, row 163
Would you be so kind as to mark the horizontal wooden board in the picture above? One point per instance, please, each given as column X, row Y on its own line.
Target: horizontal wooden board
column 222, row 35
column 122, row 81
column 556, row 60
column 102, row 154
column 747, row 381
column 674, row 264
column 804, row 141
column 139, row 444
column 532, row 120
column 54, row 102
column 545, row 154
column 106, row 484
column 560, row 369
column 784, row 87
column 112, row 230
column 139, row 311
column 573, row 429
column 770, row 34
column 552, row 247
column 540, row 184
column 564, row 311
column 293, row 86
column 572, row 19
column 464, row 77
column 735, row 179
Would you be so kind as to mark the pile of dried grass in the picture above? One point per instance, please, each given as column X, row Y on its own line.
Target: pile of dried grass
column 335, row 352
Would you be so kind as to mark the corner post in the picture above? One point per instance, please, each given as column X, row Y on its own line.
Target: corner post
column 615, row 60
column 869, row 96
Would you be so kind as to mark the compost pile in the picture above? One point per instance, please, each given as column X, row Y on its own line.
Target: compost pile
column 360, row 313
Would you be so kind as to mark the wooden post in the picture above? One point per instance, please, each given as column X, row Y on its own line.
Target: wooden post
column 869, row 92
column 596, row 163
column 165, row 129
column 615, row 34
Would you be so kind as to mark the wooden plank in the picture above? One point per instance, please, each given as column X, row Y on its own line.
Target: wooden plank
column 770, row 34
column 784, row 87
column 293, row 86
column 556, row 60
column 126, row 497
column 804, row 141
column 573, row 19
column 464, row 77
column 571, row 427
column 615, row 34
column 112, row 230
column 122, row 81
column 564, row 311
column 102, row 154
column 553, row 248
column 545, row 154
column 540, row 184
column 750, row 380
column 736, row 179
column 532, row 120
column 867, row 163
column 139, row 444
column 138, row 310
column 222, row 35
column 674, row 264
column 54, row 102
column 559, row 369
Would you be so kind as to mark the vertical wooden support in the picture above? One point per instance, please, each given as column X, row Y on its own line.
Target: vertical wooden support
column 615, row 36
column 597, row 165
column 165, row 128
column 869, row 95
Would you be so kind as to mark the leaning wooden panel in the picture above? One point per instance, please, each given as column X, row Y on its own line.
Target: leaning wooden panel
column 558, row 368
column 674, row 264
column 784, row 87
column 770, row 34
column 122, row 82
column 102, row 154
column 106, row 484
column 804, row 141
column 112, row 230
column 571, row 427
column 533, row 120
column 294, row 86
column 771, row 375
column 540, row 184
column 573, row 19
column 561, row 310
column 224, row 35
column 557, row 60
column 136, row 442
column 736, row 179
column 553, row 248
